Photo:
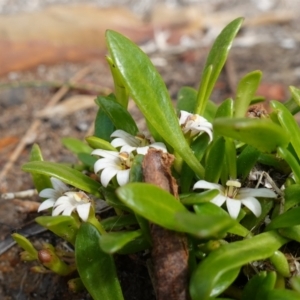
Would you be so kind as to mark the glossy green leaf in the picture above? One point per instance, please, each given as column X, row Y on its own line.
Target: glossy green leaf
column 149, row 92
column 267, row 285
column 118, row 222
column 293, row 105
column 288, row 122
column 120, row 89
column 210, row 209
column 295, row 283
column 196, row 198
column 274, row 161
column 198, row 146
column 95, row 267
column 103, row 125
column 97, row 143
column 282, row 295
column 245, row 92
column 215, row 160
column 76, row 145
column 114, row 241
column 65, row 174
column 136, row 245
column 254, row 132
column 216, row 60
column 152, row 203
column 287, row 219
column 291, row 196
column 64, row 226
column 204, row 226
column 225, row 109
column 280, row 263
column 25, row 244
column 230, row 159
column 246, row 161
column 230, row 257
column 144, row 225
column 87, row 159
column 253, row 286
column 112, row 200
column 40, row 181
column 186, row 100
column 292, row 233
column 136, row 171
column 291, row 160
column 118, row 114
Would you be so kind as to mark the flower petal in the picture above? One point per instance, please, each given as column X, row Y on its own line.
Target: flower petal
column 62, row 200
column 127, row 148
column 107, row 174
column 68, row 211
column 233, row 207
column 202, row 184
column 183, row 116
column 83, row 211
column 58, row 185
column 263, row 192
column 218, row 200
column 48, row 193
column 103, row 163
column 123, row 177
column 106, row 153
column 46, row 204
column 57, row 210
column 253, row 204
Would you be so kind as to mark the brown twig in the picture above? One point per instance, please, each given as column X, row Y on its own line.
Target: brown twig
column 31, row 133
column 169, row 253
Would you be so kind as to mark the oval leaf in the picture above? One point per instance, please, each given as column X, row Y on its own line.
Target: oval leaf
column 262, row 134
column 65, row 174
column 149, row 92
column 152, row 203
column 95, row 267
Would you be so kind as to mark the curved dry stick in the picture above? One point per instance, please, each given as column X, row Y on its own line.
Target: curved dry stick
column 170, row 251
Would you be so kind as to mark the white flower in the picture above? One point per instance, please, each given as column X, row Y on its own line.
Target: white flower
column 71, row 201
column 195, row 124
column 64, row 201
column 113, row 163
column 234, row 196
column 138, row 143
column 59, row 188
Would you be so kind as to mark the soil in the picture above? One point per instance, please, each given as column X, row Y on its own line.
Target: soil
column 21, row 106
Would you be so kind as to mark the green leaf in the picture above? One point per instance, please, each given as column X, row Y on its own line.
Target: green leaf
column 291, row 196
column 196, row 198
column 87, row 159
column 96, row 268
column 293, row 105
column 287, row 219
column 118, row 222
column 103, row 125
column 40, row 181
column 216, row 60
column 114, row 241
column 230, row 257
column 282, row 295
column 225, row 109
column 215, row 160
column 246, row 161
column 280, row 263
column 292, row 233
column 76, row 146
column 199, row 146
column 253, row 286
column 64, row 226
column 204, row 226
column 136, row 171
column 120, row 89
column 97, row 143
column 150, row 94
column 291, row 160
column 186, row 100
column 25, row 244
column 288, row 122
column 65, row 174
column 118, row 114
column 262, row 134
column 151, row 202
column 245, row 92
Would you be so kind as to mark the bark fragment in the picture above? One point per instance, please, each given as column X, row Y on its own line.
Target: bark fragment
column 170, row 251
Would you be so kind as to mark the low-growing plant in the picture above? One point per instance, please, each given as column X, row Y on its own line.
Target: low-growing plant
column 198, row 191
